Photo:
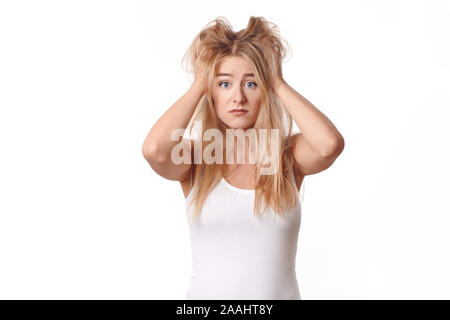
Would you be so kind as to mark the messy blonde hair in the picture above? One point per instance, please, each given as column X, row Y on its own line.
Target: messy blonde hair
column 262, row 47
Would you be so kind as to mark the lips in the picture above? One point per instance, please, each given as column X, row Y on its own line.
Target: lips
column 238, row 112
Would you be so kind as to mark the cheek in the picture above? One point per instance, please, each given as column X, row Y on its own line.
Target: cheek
column 255, row 115
column 257, row 105
column 218, row 102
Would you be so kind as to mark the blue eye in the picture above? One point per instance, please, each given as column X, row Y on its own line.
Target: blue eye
column 220, row 84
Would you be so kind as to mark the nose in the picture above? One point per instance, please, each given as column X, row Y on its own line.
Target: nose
column 239, row 96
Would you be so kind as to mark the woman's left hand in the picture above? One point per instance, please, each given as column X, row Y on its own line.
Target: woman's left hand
column 279, row 80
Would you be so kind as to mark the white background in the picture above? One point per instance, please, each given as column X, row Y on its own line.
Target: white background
column 82, row 214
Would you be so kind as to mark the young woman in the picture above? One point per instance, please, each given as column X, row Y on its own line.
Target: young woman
column 244, row 224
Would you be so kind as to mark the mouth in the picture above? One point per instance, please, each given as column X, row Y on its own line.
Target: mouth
column 238, row 112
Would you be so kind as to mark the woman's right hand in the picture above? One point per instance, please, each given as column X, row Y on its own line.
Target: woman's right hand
column 200, row 74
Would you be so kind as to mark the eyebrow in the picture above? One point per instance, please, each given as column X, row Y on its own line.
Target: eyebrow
column 230, row 75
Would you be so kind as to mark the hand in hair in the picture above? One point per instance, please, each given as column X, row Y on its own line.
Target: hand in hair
column 200, row 73
column 278, row 78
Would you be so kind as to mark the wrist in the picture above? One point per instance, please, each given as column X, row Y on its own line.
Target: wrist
column 198, row 85
column 280, row 84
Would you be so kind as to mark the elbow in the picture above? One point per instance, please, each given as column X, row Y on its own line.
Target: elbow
column 334, row 147
column 151, row 152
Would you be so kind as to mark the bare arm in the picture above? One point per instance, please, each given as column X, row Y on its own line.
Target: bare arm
column 319, row 143
column 158, row 145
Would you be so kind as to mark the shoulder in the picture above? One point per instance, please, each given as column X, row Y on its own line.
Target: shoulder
column 187, row 178
column 298, row 176
column 186, row 182
column 290, row 145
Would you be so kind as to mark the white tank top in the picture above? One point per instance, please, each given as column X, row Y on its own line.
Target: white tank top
column 236, row 255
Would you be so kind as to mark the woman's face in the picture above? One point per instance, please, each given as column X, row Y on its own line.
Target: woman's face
column 234, row 87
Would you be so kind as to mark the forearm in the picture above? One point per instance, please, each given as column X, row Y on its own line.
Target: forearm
column 317, row 129
column 158, row 142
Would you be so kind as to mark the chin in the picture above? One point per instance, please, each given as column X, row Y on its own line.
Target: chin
column 243, row 126
column 238, row 123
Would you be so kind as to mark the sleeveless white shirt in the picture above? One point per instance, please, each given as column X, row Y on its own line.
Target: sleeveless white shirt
column 236, row 255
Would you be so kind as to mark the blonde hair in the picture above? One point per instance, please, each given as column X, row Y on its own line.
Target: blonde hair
column 262, row 47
